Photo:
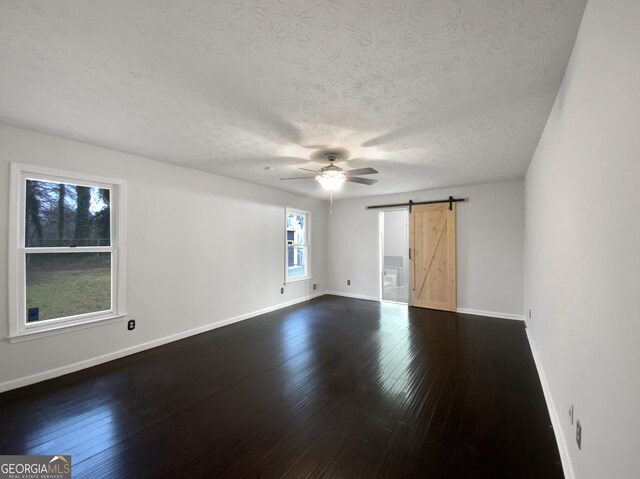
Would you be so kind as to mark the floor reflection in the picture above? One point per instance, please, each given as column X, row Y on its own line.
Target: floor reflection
column 394, row 358
column 79, row 434
column 297, row 353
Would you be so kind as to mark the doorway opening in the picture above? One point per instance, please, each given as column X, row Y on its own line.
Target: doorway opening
column 394, row 231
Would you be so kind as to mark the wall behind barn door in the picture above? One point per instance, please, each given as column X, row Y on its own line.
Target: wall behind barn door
column 490, row 256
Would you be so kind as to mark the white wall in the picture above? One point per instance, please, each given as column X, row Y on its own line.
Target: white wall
column 201, row 249
column 583, row 243
column 490, row 251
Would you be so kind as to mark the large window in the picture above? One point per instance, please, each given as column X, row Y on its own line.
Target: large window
column 67, row 265
column 297, row 245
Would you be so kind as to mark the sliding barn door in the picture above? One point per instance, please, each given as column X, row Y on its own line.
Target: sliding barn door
column 432, row 243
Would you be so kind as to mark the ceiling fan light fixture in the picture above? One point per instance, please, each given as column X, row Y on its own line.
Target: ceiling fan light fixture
column 331, row 176
column 331, row 180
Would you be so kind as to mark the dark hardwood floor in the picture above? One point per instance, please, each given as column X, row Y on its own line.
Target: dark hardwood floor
column 333, row 387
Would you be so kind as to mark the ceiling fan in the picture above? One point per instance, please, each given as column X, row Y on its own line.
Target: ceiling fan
column 331, row 176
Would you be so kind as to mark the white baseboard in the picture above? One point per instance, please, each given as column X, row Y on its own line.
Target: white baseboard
column 87, row 363
column 477, row 312
column 553, row 413
column 492, row 314
column 354, row 296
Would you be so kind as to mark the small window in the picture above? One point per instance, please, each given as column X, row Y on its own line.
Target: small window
column 68, row 263
column 297, row 249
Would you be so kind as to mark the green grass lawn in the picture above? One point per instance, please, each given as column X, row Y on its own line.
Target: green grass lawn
column 77, row 289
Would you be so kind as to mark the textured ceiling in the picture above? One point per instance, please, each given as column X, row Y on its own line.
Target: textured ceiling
column 432, row 93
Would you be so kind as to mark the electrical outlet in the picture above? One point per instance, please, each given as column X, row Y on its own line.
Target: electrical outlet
column 131, row 325
column 315, row 286
column 281, row 290
column 579, row 434
column 348, row 282
column 571, row 412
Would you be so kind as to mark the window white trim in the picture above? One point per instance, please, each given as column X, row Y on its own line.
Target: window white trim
column 19, row 329
column 306, row 244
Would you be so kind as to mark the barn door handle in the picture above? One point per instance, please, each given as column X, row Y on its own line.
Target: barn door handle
column 409, row 253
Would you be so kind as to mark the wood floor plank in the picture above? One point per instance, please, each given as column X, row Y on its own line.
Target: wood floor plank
column 333, row 387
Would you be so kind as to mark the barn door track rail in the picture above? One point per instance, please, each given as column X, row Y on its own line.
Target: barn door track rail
column 451, row 200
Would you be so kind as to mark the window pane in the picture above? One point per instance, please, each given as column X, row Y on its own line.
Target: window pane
column 296, row 261
column 61, row 214
column 67, row 284
column 296, row 228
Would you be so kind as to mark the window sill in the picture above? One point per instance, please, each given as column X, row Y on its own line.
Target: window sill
column 297, row 280
column 64, row 328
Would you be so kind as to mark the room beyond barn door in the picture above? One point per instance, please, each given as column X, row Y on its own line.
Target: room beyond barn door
column 432, row 256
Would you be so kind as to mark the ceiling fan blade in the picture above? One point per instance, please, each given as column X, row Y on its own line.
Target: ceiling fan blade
column 361, row 171
column 364, row 181
column 307, row 169
column 300, row 178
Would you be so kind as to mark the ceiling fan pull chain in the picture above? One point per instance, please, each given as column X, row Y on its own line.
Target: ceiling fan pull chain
column 331, row 202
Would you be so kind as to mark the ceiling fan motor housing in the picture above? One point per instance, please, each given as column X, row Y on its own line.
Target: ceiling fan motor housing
column 331, row 157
